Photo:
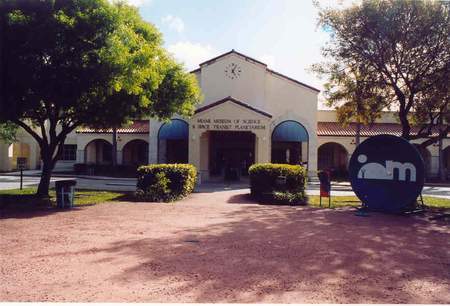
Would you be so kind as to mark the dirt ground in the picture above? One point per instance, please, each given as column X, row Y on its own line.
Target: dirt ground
column 220, row 247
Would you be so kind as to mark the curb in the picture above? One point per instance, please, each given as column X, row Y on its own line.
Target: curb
column 87, row 177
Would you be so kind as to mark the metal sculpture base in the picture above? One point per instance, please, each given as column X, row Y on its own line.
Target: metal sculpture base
column 414, row 209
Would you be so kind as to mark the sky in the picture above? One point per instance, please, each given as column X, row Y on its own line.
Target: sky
column 281, row 33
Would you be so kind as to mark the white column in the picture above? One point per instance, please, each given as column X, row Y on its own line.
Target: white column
column 204, row 156
column 119, row 157
column 312, row 157
column 80, row 156
column 33, row 156
column 4, row 157
column 305, row 152
column 262, row 148
column 194, row 150
column 153, row 141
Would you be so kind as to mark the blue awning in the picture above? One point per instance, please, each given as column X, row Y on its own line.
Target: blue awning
column 176, row 129
column 290, row 131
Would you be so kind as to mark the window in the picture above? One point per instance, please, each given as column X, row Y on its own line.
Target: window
column 69, row 152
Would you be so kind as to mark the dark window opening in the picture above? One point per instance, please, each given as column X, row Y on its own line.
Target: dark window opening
column 69, row 152
column 287, row 152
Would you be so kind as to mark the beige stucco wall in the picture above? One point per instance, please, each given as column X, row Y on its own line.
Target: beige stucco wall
column 258, row 87
column 432, row 167
column 25, row 146
column 330, row 116
column 212, row 120
column 249, row 87
column 83, row 139
column 4, row 159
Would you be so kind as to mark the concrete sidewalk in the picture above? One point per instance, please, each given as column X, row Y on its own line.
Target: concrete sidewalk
column 37, row 173
column 341, row 185
column 31, row 178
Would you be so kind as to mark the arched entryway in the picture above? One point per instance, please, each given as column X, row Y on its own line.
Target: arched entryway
column 231, row 153
column 135, row 152
column 426, row 156
column 173, row 142
column 19, row 150
column 98, row 151
column 333, row 157
column 290, row 143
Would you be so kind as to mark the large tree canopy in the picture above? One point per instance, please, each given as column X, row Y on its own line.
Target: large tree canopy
column 67, row 63
column 390, row 54
column 8, row 132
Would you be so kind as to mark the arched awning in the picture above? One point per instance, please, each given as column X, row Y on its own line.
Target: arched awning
column 176, row 129
column 290, row 131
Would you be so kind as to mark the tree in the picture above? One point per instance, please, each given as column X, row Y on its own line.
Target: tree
column 8, row 132
column 396, row 54
column 349, row 89
column 66, row 64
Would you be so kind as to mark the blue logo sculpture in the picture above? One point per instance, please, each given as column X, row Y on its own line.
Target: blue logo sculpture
column 386, row 173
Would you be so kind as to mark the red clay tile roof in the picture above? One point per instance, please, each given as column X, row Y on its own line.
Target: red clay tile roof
column 137, row 127
column 323, row 129
column 336, row 129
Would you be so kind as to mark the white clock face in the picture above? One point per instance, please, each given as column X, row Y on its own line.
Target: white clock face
column 233, row 71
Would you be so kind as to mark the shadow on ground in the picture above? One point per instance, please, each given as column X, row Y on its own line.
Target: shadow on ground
column 293, row 254
column 29, row 206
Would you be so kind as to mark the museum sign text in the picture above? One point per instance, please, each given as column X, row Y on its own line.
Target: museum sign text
column 229, row 124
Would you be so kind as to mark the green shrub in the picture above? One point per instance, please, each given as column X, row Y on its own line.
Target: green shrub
column 165, row 182
column 286, row 197
column 278, row 183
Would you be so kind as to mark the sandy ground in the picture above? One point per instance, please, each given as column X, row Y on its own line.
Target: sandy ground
column 219, row 247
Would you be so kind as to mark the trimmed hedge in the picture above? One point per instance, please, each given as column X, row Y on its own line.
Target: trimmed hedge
column 165, row 182
column 278, row 183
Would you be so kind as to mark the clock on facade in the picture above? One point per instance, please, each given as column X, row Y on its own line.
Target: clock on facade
column 233, row 71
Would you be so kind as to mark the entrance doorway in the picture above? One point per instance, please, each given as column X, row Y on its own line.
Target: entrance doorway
column 290, row 143
column 173, row 142
column 231, row 154
column 333, row 157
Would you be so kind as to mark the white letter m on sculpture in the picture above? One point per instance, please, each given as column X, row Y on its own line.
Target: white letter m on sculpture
column 402, row 168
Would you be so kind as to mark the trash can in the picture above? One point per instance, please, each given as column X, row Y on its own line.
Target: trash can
column 325, row 187
column 325, row 183
column 65, row 191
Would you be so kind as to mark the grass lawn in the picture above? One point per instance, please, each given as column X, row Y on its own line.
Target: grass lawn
column 26, row 197
column 352, row 201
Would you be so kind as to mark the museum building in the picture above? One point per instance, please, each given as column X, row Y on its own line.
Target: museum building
column 249, row 114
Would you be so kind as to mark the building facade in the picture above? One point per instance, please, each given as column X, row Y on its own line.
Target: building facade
column 249, row 114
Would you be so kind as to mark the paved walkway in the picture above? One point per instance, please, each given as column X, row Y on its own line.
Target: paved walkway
column 219, row 246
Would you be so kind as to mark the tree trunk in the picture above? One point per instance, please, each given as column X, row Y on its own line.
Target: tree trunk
column 358, row 134
column 2, row 64
column 44, row 183
column 406, row 128
column 114, row 147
